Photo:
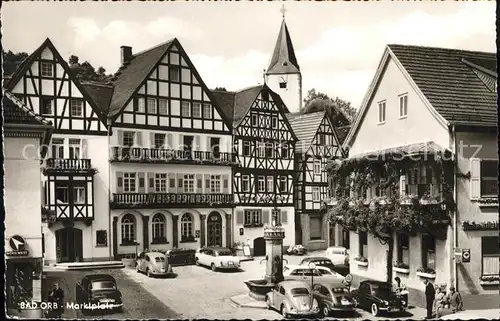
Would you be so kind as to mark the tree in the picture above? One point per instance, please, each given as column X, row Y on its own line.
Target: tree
column 11, row 61
column 317, row 101
column 86, row 72
column 220, row 89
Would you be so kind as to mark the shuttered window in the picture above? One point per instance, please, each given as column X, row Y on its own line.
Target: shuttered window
column 483, row 178
column 363, row 244
column 428, row 252
column 315, row 228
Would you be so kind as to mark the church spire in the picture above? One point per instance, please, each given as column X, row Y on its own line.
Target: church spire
column 283, row 60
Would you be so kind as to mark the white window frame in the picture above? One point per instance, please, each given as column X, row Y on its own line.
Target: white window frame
column 58, row 147
column 187, row 225
column 185, row 109
column 159, row 226
column 274, row 122
column 248, row 144
column 252, row 217
column 161, row 182
column 46, row 102
column 46, row 69
column 151, row 106
column 141, row 105
column 76, row 108
column 317, row 167
column 129, row 182
column 481, row 178
column 207, row 111
column 128, row 228
column 284, row 180
column 65, row 189
column 79, row 194
column 316, row 193
column 174, row 73
column 261, row 184
column 155, row 136
column 197, row 110
column 403, row 106
column 188, row 183
column 163, row 106
column 493, row 257
column 245, row 179
column 382, row 112
column 123, row 138
column 270, row 184
column 261, row 149
column 75, row 148
column 215, row 184
column 254, row 120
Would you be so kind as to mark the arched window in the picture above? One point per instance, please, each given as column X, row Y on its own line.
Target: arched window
column 186, row 226
column 128, row 229
column 159, row 227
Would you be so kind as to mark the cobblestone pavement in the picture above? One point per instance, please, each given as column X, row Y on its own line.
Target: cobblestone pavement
column 197, row 292
column 138, row 303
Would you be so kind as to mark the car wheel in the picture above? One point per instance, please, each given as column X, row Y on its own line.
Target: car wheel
column 374, row 309
column 148, row 273
column 197, row 262
column 325, row 311
column 137, row 268
column 268, row 302
column 212, row 266
column 284, row 311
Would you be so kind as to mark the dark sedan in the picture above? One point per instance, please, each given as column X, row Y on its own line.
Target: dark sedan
column 326, row 262
column 333, row 297
column 98, row 292
column 377, row 296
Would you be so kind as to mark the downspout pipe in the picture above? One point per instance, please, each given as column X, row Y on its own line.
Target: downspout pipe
column 110, row 238
column 455, row 196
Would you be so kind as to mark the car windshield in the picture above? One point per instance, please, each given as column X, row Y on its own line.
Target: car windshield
column 300, row 291
column 224, row 253
column 103, row 285
column 312, row 272
column 324, row 272
column 159, row 259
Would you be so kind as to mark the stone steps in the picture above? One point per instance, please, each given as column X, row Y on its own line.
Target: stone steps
column 89, row 265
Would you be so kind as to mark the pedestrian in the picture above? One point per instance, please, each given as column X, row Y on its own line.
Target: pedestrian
column 438, row 301
column 56, row 298
column 400, row 289
column 455, row 300
column 430, row 295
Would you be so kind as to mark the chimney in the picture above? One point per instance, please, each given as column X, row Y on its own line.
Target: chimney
column 126, row 52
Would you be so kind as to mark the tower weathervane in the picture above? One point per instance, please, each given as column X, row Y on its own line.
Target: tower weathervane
column 283, row 10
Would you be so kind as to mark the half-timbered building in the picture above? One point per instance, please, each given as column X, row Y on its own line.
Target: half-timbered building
column 317, row 144
column 265, row 144
column 75, row 173
column 171, row 156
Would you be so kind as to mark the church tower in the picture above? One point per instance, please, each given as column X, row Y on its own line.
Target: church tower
column 283, row 74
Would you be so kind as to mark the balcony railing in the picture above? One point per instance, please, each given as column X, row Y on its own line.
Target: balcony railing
column 65, row 165
column 162, row 155
column 158, row 200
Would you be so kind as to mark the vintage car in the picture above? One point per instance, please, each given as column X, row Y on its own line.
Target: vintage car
column 296, row 250
column 153, row 264
column 333, row 297
column 326, row 262
column 338, row 255
column 97, row 292
column 377, row 296
column 217, row 258
column 292, row 298
column 304, row 273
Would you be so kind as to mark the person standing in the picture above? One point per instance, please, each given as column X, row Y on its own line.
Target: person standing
column 430, row 295
column 400, row 289
column 455, row 300
column 56, row 297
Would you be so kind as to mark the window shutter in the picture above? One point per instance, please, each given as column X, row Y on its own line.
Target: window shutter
column 239, row 217
column 265, row 216
column 170, row 144
column 119, row 135
column 199, row 183
column 180, row 143
column 225, row 184
column 119, row 182
column 180, row 181
column 152, row 140
column 151, row 178
column 142, row 183
column 171, row 178
column 402, row 185
column 138, row 138
column 84, row 153
column 475, row 178
column 197, row 143
column 207, row 183
column 284, row 216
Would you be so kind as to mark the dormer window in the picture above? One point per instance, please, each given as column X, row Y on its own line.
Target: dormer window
column 46, row 69
column 282, row 83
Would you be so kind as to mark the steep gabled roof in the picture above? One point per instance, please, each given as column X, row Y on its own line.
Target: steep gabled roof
column 305, row 127
column 16, row 112
column 445, row 80
column 101, row 94
column 26, row 63
column 225, row 100
column 243, row 100
column 283, row 60
column 132, row 74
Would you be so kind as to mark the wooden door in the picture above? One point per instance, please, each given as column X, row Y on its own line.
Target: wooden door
column 214, row 230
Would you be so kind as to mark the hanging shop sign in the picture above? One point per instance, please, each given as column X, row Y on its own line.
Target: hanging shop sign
column 17, row 244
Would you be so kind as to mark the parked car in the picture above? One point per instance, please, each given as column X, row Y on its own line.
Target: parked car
column 153, row 264
column 326, row 262
column 217, row 258
column 333, row 296
column 377, row 296
column 292, row 298
column 304, row 273
column 98, row 289
column 296, row 250
column 338, row 255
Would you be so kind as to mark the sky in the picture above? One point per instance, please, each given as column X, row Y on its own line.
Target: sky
column 338, row 44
